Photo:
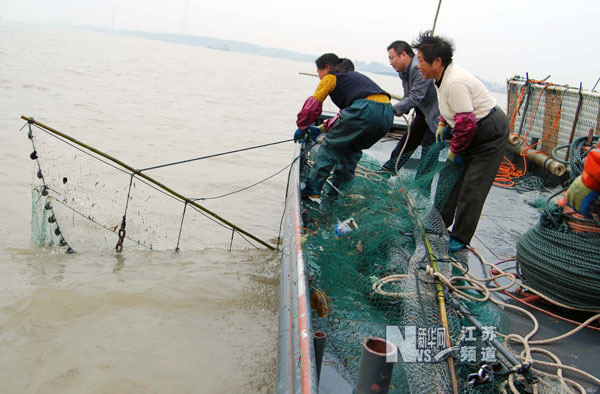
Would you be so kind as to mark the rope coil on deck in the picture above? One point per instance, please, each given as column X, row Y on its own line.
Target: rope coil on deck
column 559, row 255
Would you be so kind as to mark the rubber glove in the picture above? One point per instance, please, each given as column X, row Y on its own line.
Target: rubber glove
column 442, row 133
column 580, row 197
column 311, row 132
column 314, row 133
column 439, row 133
column 299, row 135
column 454, row 158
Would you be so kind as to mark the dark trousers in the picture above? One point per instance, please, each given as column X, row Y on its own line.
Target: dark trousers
column 482, row 160
column 418, row 133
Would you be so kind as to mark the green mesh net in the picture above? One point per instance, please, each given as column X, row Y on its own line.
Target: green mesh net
column 374, row 275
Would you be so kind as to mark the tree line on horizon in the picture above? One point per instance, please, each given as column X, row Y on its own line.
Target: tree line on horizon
column 246, row 47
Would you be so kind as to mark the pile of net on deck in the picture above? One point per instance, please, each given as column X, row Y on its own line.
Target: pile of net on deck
column 559, row 255
column 374, row 276
column 82, row 201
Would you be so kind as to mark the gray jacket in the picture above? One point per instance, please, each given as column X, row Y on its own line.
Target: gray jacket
column 420, row 93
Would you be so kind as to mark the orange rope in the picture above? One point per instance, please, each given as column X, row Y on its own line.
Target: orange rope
column 508, row 172
column 517, row 107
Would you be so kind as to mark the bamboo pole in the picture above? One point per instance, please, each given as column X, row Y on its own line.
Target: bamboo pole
column 394, row 96
column 440, row 298
column 149, row 179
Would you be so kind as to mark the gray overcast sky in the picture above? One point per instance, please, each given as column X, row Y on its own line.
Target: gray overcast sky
column 494, row 39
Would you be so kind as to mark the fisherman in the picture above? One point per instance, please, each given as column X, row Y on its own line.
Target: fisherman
column 420, row 94
column 479, row 135
column 583, row 192
column 366, row 116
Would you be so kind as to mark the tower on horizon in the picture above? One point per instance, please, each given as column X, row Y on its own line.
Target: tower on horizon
column 114, row 14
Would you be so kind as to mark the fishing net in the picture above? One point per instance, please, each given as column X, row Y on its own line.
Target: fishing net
column 84, row 201
column 374, row 276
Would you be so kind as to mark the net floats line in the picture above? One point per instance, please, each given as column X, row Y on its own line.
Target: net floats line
column 440, row 295
column 149, row 179
column 394, row 96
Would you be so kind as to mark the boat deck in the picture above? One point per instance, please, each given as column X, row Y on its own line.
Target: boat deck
column 506, row 216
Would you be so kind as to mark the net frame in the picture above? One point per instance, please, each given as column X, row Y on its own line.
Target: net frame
column 83, row 199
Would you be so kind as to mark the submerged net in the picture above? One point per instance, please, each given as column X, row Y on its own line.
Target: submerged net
column 82, row 201
column 374, row 276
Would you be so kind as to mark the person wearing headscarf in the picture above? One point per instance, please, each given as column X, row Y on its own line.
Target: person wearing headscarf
column 366, row 116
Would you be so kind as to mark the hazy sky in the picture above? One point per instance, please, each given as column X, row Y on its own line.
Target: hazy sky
column 494, row 39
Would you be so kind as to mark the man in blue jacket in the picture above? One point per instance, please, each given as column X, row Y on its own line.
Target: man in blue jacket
column 420, row 94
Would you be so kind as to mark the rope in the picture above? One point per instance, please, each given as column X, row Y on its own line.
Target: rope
column 561, row 264
column 215, row 155
column 244, row 188
column 525, row 340
column 377, row 286
column 558, row 256
column 287, row 189
column 407, row 136
column 527, row 296
column 508, row 173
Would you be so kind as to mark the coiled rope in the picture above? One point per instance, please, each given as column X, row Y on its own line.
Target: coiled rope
column 526, row 341
column 561, row 264
column 473, row 283
column 559, row 255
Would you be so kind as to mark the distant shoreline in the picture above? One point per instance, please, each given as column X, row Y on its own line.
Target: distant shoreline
column 246, row 47
column 240, row 46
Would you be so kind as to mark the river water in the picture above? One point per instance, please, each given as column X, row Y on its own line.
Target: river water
column 145, row 322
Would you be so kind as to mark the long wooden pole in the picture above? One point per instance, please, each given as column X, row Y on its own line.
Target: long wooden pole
column 440, row 298
column 146, row 177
